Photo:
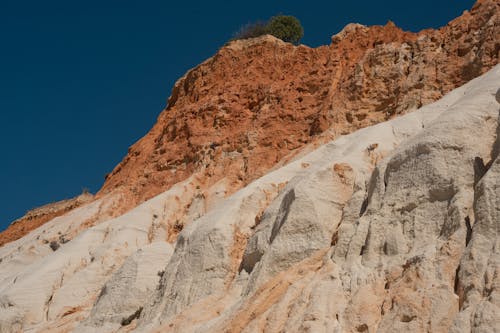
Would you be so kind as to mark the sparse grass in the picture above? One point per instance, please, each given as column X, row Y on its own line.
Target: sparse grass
column 284, row 27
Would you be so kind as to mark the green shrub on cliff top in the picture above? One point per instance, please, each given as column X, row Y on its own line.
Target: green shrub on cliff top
column 284, row 27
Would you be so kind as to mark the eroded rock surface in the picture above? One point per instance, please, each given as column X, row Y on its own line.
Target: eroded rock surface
column 257, row 102
column 389, row 228
column 357, row 242
column 122, row 298
column 393, row 227
column 38, row 216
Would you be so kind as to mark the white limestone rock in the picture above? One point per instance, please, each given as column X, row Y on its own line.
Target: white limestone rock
column 122, row 298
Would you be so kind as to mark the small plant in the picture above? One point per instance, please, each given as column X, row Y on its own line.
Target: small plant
column 284, row 27
column 251, row 30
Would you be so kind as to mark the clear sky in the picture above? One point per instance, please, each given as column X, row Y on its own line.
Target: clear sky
column 81, row 81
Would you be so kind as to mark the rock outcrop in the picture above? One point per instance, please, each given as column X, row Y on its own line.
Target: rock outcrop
column 388, row 250
column 290, row 201
column 389, row 228
column 258, row 102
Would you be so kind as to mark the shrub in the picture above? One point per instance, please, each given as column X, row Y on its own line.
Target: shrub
column 286, row 28
column 251, row 30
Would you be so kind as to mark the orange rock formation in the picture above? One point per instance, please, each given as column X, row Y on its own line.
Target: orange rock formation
column 257, row 101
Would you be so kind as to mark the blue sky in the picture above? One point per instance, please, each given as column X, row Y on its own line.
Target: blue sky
column 81, row 81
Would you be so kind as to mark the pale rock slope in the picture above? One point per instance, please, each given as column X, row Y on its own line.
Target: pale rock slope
column 38, row 216
column 391, row 228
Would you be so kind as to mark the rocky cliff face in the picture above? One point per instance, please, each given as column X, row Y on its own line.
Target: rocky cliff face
column 259, row 102
column 393, row 227
column 268, row 216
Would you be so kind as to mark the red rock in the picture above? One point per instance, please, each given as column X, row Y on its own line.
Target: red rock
column 258, row 101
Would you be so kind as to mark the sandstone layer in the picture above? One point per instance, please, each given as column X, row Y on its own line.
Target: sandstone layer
column 259, row 101
column 391, row 228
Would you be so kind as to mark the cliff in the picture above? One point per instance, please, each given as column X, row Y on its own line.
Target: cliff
column 348, row 188
column 257, row 103
column 393, row 227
